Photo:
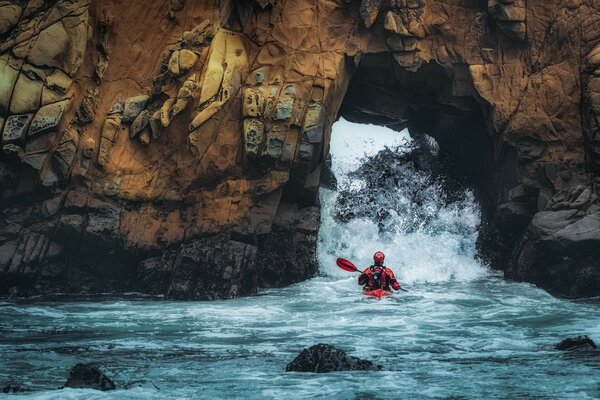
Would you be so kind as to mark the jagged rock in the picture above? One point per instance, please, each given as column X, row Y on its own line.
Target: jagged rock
column 221, row 257
column 184, row 97
column 16, row 127
column 89, row 105
column 584, row 232
column 47, row 118
column 577, row 343
column 84, row 376
column 254, row 131
column 322, row 358
column 140, row 123
column 393, row 23
column 520, row 120
column 369, row 9
column 254, row 102
column 36, row 151
column 133, row 107
column 511, row 17
column 198, row 36
column 65, row 153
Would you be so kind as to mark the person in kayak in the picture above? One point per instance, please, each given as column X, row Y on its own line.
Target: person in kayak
column 378, row 276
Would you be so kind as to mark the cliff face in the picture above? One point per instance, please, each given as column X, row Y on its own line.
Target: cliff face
column 176, row 147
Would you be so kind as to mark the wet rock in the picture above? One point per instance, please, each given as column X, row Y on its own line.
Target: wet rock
column 576, row 343
column 134, row 106
column 84, row 376
column 322, row 358
column 14, row 388
column 201, row 264
column 328, row 179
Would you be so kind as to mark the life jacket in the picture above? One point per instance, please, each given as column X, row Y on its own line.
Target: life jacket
column 377, row 277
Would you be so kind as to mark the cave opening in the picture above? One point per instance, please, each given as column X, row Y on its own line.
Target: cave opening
column 434, row 101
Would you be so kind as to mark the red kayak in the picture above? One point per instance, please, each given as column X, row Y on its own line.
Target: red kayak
column 377, row 293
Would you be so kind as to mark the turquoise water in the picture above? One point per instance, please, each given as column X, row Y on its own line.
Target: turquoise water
column 483, row 339
column 461, row 332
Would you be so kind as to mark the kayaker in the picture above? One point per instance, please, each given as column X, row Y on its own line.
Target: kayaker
column 378, row 276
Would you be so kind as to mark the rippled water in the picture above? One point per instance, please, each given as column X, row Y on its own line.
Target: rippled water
column 461, row 332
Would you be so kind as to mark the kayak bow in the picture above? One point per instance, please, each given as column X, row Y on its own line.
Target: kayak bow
column 377, row 293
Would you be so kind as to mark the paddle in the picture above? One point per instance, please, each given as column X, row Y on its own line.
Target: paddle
column 350, row 267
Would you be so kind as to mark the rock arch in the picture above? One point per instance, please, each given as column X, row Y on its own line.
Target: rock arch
column 186, row 160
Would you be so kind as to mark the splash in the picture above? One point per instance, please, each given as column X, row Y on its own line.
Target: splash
column 388, row 200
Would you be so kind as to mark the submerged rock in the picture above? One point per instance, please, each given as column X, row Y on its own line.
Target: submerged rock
column 84, row 376
column 141, row 384
column 576, row 343
column 326, row 358
column 14, row 388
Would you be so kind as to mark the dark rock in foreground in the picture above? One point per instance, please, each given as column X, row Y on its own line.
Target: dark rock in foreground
column 13, row 388
column 577, row 343
column 84, row 376
column 326, row 358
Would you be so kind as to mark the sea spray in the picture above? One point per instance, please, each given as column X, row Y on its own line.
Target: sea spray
column 388, row 200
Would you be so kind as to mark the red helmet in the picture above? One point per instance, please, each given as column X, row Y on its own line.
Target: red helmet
column 378, row 257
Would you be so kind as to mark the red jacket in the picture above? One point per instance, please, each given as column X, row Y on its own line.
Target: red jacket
column 386, row 278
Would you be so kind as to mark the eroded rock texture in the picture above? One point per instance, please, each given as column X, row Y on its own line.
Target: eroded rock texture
column 176, row 147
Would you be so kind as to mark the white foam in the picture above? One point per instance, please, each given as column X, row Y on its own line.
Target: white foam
column 438, row 251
